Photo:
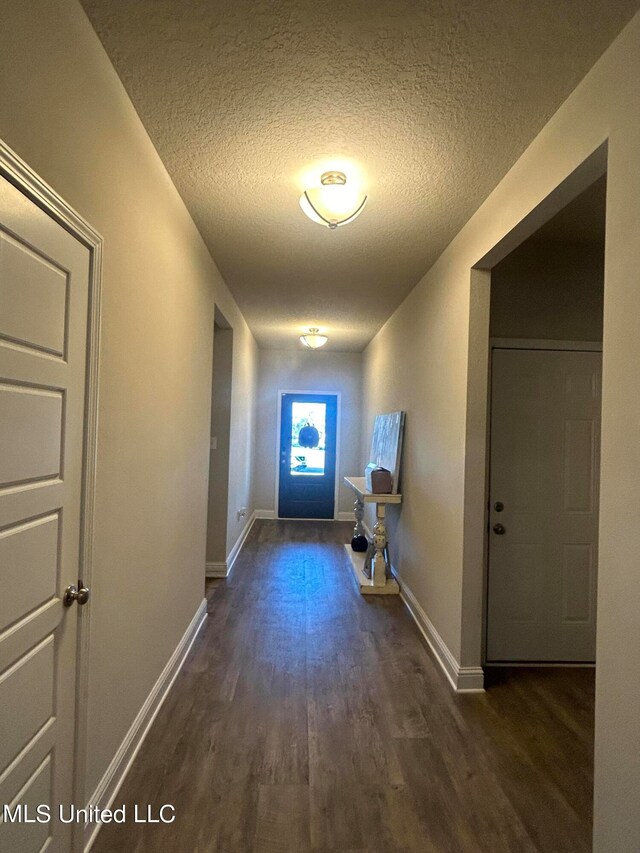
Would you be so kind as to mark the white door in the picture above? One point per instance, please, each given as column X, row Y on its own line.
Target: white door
column 543, row 528
column 44, row 277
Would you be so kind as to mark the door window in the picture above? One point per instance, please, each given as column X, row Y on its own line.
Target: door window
column 308, row 439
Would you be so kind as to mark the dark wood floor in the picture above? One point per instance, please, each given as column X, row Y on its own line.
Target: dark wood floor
column 309, row 718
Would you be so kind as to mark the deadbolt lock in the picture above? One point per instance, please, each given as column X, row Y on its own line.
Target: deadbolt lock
column 78, row 593
column 499, row 529
column 498, row 506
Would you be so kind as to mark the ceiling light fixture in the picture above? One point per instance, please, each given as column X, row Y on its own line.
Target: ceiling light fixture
column 333, row 203
column 314, row 340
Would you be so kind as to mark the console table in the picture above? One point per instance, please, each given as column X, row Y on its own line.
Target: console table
column 379, row 581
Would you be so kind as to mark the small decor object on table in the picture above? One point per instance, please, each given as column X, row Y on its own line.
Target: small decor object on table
column 378, row 479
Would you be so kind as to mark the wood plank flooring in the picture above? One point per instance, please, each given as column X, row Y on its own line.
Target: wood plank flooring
column 310, row 718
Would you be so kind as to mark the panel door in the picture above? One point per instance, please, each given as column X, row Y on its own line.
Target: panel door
column 44, row 276
column 307, row 456
column 544, row 484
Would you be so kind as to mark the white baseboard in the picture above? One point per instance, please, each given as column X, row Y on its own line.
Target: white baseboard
column 233, row 554
column 271, row 514
column 216, row 570
column 463, row 679
column 109, row 785
column 541, row 664
column 265, row 513
column 470, row 679
column 223, row 569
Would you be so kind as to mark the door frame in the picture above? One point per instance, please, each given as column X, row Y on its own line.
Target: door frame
column 336, row 490
column 219, row 568
column 31, row 185
column 539, row 344
column 538, row 209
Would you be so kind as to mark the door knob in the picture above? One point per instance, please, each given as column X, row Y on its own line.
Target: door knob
column 73, row 593
column 498, row 529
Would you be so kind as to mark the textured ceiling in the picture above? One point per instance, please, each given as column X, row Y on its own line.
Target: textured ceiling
column 429, row 103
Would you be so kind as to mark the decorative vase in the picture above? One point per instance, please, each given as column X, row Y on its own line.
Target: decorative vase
column 359, row 543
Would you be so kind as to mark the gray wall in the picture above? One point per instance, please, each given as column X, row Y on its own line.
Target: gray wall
column 550, row 291
column 321, row 372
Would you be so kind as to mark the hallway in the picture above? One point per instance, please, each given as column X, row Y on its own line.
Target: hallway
column 310, row 718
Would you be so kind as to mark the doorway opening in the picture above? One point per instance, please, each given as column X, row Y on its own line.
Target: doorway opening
column 220, row 439
column 546, row 316
column 537, row 296
column 307, row 452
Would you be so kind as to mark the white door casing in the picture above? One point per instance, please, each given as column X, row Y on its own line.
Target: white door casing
column 44, row 307
column 545, row 461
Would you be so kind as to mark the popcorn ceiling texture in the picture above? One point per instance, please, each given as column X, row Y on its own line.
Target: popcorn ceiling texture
column 433, row 101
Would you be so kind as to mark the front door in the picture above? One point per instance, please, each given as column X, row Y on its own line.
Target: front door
column 543, row 529
column 44, row 276
column 307, row 455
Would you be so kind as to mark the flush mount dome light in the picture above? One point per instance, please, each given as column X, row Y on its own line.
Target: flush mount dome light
column 314, row 340
column 333, row 203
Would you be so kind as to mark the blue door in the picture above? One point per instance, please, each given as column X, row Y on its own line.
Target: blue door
column 307, row 455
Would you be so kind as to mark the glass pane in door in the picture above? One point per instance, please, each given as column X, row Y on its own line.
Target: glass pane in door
column 308, row 439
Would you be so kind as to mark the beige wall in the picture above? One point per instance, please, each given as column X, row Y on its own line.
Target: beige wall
column 420, row 361
column 244, row 392
column 320, row 372
column 221, row 384
column 549, row 291
column 64, row 111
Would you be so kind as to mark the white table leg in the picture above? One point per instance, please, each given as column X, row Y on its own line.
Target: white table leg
column 379, row 571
